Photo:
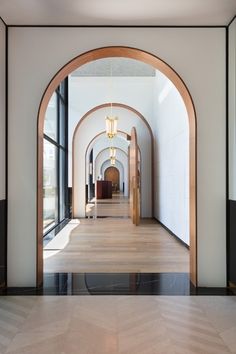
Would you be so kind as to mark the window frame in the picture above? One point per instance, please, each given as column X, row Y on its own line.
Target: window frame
column 61, row 100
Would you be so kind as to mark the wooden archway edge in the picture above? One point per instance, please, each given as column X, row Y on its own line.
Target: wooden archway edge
column 161, row 65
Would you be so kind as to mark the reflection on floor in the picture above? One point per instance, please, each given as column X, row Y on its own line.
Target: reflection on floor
column 118, row 206
column 116, row 284
column 117, row 324
column 115, row 245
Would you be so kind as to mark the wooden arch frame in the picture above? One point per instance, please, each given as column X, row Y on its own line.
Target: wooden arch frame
column 108, row 161
column 128, row 108
column 156, row 62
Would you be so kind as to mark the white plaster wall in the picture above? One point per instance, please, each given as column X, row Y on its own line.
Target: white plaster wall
column 93, row 125
column 2, row 110
column 198, row 56
column 232, row 110
column 122, row 157
column 171, row 153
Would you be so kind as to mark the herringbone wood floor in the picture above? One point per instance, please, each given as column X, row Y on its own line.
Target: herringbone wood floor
column 117, row 324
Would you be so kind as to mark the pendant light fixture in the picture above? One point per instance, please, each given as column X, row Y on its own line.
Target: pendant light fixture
column 112, row 152
column 111, row 120
column 113, row 161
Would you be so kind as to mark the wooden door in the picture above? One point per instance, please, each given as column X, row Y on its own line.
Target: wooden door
column 134, row 179
column 112, row 174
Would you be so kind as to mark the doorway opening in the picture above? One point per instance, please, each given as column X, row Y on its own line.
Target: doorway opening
column 113, row 174
column 79, row 194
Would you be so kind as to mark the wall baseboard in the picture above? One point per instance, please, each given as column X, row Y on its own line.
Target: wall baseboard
column 3, row 241
column 172, row 233
column 231, row 241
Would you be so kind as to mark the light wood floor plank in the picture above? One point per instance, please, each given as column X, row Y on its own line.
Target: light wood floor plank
column 116, row 245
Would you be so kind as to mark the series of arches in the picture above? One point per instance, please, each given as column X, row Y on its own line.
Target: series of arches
column 157, row 63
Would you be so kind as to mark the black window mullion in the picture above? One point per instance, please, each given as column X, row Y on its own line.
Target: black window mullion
column 58, row 159
column 67, row 206
column 54, row 142
column 61, row 97
column 61, row 155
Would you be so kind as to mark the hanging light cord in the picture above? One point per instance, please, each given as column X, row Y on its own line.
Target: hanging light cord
column 111, row 73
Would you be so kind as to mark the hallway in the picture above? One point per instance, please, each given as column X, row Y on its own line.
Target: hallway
column 114, row 245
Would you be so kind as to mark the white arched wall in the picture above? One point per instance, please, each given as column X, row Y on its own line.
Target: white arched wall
column 118, row 165
column 93, row 125
column 171, row 156
column 200, row 61
column 122, row 157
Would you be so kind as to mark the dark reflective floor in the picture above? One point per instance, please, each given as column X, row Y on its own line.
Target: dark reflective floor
column 116, row 284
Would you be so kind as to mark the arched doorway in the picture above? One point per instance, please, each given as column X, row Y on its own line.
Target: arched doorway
column 78, row 154
column 162, row 66
column 112, row 174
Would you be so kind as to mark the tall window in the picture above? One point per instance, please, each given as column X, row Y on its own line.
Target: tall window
column 55, row 162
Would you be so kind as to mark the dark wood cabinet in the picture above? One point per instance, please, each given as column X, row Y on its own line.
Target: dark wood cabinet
column 104, row 189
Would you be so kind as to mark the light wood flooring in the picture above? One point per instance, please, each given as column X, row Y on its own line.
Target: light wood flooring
column 115, row 245
column 117, row 325
column 117, row 206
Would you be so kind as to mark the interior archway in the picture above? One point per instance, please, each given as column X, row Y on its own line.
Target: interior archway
column 83, row 132
column 162, row 66
column 122, row 157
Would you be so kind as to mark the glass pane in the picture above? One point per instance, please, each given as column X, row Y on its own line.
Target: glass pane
column 62, row 123
column 50, row 123
column 62, row 88
column 50, row 189
column 62, row 185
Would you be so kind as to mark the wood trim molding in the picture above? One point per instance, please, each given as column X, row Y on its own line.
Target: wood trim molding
column 134, row 181
column 161, row 65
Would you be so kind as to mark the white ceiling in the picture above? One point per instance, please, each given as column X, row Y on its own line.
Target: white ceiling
column 119, row 67
column 117, row 12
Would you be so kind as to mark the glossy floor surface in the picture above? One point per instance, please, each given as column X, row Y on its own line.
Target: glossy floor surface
column 115, row 245
column 117, row 324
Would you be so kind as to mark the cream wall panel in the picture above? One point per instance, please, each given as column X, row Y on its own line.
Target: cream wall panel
column 232, row 111
column 2, row 110
column 197, row 54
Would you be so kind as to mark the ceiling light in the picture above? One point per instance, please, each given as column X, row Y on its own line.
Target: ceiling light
column 113, row 161
column 112, row 152
column 111, row 126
